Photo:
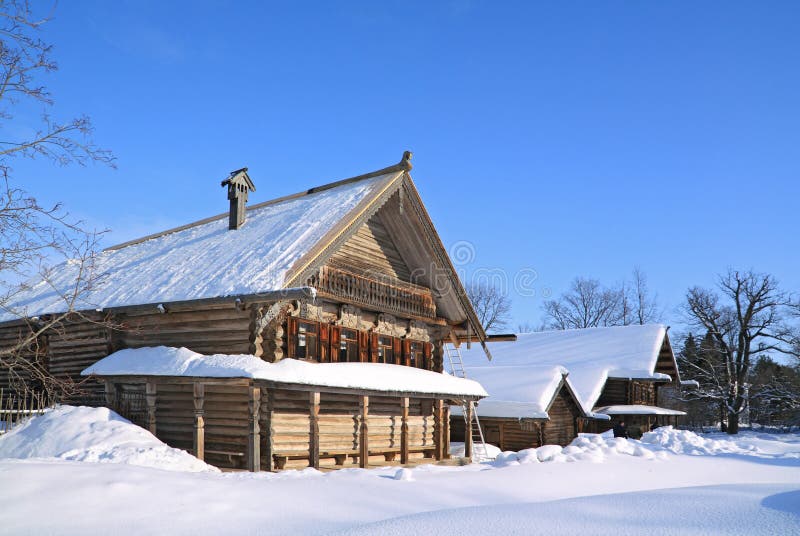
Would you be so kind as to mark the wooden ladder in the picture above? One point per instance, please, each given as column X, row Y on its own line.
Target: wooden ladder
column 480, row 453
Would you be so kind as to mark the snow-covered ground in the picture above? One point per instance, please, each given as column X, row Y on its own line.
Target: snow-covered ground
column 671, row 482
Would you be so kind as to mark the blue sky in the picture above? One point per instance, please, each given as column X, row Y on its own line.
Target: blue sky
column 560, row 139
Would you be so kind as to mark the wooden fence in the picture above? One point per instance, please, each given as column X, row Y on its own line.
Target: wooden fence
column 15, row 408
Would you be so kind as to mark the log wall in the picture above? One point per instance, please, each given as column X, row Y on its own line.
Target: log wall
column 561, row 429
column 219, row 330
column 511, row 434
column 288, row 414
column 371, row 251
column 11, row 335
column 615, row 392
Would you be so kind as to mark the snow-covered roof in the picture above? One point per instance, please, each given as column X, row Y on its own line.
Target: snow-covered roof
column 168, row 361
column 517, row 391
column 590, row 355
column 206, row 260
column 637, row 410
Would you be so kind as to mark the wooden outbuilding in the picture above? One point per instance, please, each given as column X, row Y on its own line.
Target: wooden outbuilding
column 348, row 272
column 615, row 374
column 529, row 406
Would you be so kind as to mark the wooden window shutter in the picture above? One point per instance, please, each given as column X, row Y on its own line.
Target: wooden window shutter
column 363, row 346
column 324, row 342
column 407, row 352
column 336, row 339
column 427, row 348
column 291, row 336
column 373, row 347
column 397, row 350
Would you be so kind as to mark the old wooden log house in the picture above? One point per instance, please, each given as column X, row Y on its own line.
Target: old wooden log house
column 349, row 274
column 546, row 387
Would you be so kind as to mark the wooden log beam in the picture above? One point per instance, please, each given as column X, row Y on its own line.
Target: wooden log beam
column 404, row 430
column 267, row 432
column 446, row 424
column 363, row 436
column 150, row 397
column 468, row 417
column 313, row 430
column 111, row 394
column 199, row 437
column 438, row 429
column 254, row 436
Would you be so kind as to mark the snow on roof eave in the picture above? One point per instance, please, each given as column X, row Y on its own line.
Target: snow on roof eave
column 637, row 409
column 163, row 361
column 505, row 409
column 643, row 376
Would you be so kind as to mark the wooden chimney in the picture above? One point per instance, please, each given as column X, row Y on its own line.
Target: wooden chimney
column 239, row 185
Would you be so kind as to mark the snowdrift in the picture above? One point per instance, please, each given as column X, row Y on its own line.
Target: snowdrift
column 94, row 435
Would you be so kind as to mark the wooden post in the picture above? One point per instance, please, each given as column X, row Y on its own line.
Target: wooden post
column 266, row 431
column 470, row 407
column 111, row 394
column 404, row 431
column 150, row 397
column 446, row 424
column 254, row 439
column 363, row 436
column 199, row 442
column 438, row 429
column 313, row 430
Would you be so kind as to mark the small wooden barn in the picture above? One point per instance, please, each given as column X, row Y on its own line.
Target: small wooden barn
column 351, row 272
column 615, row 374
column 529, row 406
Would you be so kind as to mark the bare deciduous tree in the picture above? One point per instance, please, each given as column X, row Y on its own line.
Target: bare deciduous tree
column 587, row 304
column 745, row 316
column 33, row 236
column 492, row 306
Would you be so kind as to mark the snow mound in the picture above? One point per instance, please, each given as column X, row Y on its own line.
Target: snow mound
column 457, row 450
column 95, row 435
column 686, row 442
column 586, row 447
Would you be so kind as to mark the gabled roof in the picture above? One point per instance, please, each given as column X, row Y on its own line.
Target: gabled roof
column 519, row 391
column 280, row 245
column 591, row 356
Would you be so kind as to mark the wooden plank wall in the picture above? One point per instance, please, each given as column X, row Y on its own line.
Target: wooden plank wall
column 371, row 251
column 615, row 392
column 561, row 428
column 175, row 415
column 10, row 336
column 73, row 346
column 339, row 427
column 507, row 434
column 209, row 330
column 227, row 418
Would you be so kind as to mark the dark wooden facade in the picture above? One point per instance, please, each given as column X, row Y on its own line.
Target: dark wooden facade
column 565, row 422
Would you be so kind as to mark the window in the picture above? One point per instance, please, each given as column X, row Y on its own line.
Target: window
column 385, row 350
column 414, row 357
column 307, row 346
column 348, row 347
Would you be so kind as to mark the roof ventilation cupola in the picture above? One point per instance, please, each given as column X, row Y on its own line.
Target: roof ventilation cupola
column 239, row 185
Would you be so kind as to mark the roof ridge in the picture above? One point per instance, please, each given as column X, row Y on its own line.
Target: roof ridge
column 403, row 165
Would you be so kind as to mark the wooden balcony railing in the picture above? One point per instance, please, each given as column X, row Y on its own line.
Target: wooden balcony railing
column 381, row 295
